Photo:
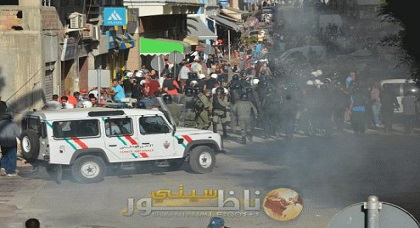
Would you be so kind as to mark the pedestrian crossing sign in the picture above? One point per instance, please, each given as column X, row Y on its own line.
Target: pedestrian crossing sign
column 115, row 16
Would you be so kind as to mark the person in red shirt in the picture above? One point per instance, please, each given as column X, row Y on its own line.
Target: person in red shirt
column 153, row 85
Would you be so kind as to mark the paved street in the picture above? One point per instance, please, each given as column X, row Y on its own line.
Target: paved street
column 330, row 173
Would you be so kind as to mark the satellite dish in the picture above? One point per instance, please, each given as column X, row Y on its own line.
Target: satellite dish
column 373, row 214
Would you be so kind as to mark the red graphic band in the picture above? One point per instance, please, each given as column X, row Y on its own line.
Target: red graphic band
column 131, row 140
column 186, row 137
column 79, row 142
column 144, row 155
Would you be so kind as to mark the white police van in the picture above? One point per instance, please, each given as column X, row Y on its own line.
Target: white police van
column 89, row 140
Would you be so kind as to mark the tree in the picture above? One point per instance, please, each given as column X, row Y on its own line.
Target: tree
column 404, row 13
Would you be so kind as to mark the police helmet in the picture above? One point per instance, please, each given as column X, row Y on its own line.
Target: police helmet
column 236, row 87
column 255, row 81
column 235, row 77
column 220, row 90
column 327, row 81
column 192, row 76
column 244, row 97
column 167, row 98
column 263, row 83
column 197, row 90
column 193, row 83
column 141, row 105
column 248, row 90
column 189, row 91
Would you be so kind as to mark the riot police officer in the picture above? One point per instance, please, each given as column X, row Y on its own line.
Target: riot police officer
column 189, row 103
column 243, row 110
column 173, row 108
column 220, row 110
column 203, row 109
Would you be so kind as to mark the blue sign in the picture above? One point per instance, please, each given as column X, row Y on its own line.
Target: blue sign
column 115, row 16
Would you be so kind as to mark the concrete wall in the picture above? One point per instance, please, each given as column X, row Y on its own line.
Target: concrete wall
column 22, row 50
column 21, row 70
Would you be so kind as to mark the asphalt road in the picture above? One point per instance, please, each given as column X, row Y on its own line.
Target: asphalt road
column 330, row 173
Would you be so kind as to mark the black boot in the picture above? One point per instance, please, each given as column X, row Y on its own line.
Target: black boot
column 224, row 131
column 243, row 140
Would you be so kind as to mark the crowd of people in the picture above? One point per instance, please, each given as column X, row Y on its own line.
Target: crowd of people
column 249, row 91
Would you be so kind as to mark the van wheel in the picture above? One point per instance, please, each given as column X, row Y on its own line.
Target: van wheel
column 30, row 145
column 88, row 169
column 202, row 159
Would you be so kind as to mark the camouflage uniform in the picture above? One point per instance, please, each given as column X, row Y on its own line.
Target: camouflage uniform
column 189, row 113
column 203, row 109
column 243, row 109
column 221, row 113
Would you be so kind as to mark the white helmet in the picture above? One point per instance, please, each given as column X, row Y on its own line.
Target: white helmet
column 139, row 74
column 87, row 104
column 214, row 76
column 319, row 72
column 193, row 83
column 309, row 82
column 201, row 76
column 317, row 82
column 142, row 82
column 130, row 74
column 255, row 81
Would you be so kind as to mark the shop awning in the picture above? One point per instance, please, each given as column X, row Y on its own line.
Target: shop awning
column 161, row 46
column 235, row 14
column 196, row 27
column 226, row 23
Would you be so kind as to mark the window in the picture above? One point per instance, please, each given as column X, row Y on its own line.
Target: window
column 153, row 125
column 118, row 126
column 34, row 124
column 407, row 87
column 395, row 88
column 75, row 128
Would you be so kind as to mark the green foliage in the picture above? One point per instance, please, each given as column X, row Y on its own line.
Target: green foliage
column 404, row 13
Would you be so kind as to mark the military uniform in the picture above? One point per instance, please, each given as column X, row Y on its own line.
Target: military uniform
column 243, row 110
column 221, row 113
column 189, row 113
column 203, row 109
